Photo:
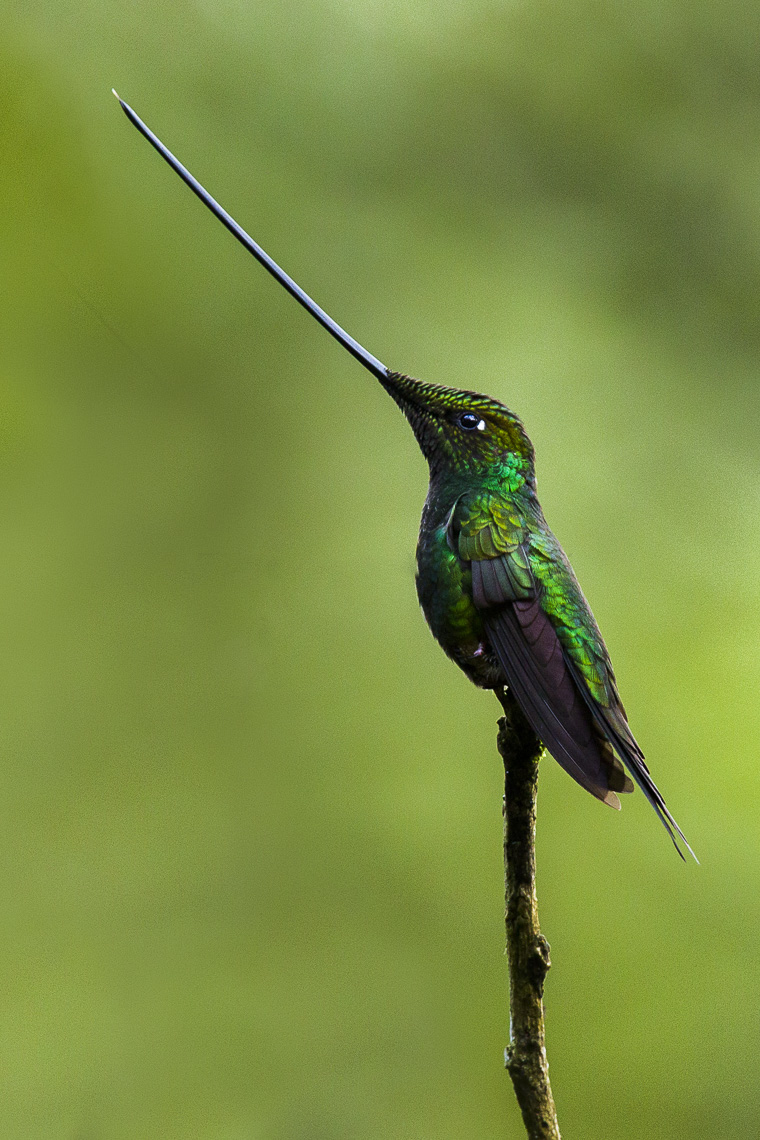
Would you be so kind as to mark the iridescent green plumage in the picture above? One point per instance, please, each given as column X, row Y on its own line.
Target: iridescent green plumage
column 500, row 595
column 494, row 583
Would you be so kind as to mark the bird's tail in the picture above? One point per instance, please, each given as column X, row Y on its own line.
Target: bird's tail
column 613, row 725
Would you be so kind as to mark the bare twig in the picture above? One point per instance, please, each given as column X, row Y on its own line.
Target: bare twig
column 527, row 949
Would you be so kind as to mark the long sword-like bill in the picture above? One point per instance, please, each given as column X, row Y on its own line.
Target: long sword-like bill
column 366, row 358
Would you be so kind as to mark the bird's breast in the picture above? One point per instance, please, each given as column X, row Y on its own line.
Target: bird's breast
column 444, row 588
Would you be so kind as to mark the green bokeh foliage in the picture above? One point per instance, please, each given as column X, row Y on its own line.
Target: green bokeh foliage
column 250, row 816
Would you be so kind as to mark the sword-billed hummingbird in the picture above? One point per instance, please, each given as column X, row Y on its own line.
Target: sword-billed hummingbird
column 494, row 584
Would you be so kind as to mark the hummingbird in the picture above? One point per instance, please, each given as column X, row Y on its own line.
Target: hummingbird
column 494, row 584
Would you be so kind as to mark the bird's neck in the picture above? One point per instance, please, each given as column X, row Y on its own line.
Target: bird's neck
column 512, row 475
column 508, row 480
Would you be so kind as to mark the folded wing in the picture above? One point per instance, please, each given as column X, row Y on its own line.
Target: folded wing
column 535, row 668
column 491, row 537
column 580, row 719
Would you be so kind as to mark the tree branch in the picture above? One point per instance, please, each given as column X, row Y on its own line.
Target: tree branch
column 527, row 949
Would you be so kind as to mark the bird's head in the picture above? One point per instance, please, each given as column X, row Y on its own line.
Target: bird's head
column 462, row 431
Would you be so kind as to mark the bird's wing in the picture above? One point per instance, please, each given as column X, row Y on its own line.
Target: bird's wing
column 491, row 535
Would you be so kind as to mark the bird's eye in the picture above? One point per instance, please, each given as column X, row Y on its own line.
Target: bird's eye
column 470, row 422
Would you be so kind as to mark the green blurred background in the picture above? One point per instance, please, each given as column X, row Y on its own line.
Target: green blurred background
column 250, row 816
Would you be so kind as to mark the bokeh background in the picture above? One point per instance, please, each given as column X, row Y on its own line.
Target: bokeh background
column 250, row 816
